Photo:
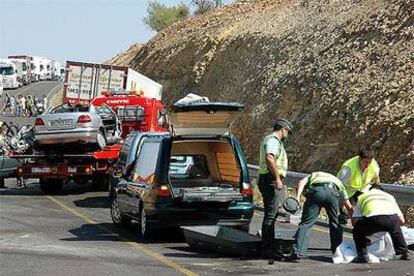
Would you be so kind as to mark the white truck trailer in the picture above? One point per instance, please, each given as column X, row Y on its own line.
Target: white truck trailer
column 85, row 81
column 41, row 68
column 8, row 70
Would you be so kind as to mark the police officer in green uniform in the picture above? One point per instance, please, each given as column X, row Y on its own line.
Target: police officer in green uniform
column 273, row 166
column 357, row 173
column 377, row 211
column 322, row 190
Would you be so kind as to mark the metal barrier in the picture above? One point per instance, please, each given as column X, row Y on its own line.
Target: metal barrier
column 404, row 194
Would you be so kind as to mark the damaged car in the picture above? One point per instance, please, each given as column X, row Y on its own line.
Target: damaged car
column 76, row 127
column 194, row 175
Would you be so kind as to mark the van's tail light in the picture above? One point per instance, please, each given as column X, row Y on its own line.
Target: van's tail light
column 247, row 189
column 39, row 122
column 162, row 191
column 84, row 119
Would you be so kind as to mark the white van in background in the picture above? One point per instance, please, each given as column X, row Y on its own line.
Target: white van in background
column 8, row 70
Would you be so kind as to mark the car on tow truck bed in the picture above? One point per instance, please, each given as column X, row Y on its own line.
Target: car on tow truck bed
column 151, row 187
column 83, row 126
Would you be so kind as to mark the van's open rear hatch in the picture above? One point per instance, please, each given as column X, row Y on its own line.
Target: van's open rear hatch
column 203, row 119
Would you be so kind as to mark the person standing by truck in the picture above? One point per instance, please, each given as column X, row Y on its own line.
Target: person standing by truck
column 273, row 165
column 23, row 104
column 7, row 105
column 13, row 106
column 44, row 102
column 30, row 106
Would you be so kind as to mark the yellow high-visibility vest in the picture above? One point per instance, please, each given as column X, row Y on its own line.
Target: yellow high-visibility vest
column 281, row 159
column 358, row 179
column 377, row 201
column 323, row 177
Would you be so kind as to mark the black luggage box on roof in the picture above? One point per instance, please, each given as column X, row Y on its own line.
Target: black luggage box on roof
column 224, row 240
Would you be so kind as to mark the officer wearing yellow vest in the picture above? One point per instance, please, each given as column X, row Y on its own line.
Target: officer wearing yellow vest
column 377, row 211
column 359, row 172
column 322, row 190
column 273, row 165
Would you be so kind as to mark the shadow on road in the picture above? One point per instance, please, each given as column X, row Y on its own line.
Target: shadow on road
column 110, row 232
column 33, row 189
column 188, row 252
column 94, row 202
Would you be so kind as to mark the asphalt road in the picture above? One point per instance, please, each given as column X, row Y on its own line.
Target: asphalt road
column 72, row 234
column 37, row 89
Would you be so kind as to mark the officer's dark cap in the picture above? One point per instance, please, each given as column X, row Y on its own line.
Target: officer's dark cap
column 283, row 123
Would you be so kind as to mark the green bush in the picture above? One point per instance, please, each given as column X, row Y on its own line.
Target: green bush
column 160, row 16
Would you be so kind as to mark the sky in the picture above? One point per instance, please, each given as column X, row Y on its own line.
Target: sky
column 79, row 30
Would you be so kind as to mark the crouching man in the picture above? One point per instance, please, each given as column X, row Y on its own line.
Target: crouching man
column 323, row 190
column 377, row 211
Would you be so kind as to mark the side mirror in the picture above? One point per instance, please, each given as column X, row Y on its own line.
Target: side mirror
column 163, row 111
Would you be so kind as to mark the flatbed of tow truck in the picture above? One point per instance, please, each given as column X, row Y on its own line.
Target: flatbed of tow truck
column 53, row 169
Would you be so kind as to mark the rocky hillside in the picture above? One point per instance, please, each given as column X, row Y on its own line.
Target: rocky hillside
column 125, row 58
column 341, row 70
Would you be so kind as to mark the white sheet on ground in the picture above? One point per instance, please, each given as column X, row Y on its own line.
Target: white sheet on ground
column 381, row 248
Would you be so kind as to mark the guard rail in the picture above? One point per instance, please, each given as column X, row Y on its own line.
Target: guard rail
column 404, row 194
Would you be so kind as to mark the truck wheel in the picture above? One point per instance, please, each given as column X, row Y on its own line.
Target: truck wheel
column 117, row 217
column 101, row 140
column 51, row 186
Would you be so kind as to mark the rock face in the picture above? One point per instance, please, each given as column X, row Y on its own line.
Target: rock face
column 124, row 58
column 341, row 70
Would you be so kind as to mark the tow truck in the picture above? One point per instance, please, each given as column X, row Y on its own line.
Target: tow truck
column 136, row 113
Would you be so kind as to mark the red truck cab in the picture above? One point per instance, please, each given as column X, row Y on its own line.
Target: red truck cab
column 136, row 113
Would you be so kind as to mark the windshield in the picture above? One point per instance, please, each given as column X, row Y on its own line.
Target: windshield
column 70, row 108
column 6, row 71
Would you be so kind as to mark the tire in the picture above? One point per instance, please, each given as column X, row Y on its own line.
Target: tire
column 144, row 227
column 51, row 186
column 101, row 140
column 117, row 217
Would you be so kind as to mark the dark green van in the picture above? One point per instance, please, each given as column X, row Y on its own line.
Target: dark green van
column 194, row 175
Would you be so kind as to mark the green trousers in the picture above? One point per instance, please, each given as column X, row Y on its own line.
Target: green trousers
column 272, row 199
column 324, row 196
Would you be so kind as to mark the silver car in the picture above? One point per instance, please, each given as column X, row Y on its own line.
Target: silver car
column 76, row 127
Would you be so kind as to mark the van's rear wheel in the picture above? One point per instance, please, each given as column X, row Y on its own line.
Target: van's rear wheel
column 117, row 217
column 144, row 227
column 51, row 186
